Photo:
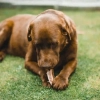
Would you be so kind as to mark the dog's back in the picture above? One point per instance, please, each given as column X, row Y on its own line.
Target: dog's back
column 14, row 31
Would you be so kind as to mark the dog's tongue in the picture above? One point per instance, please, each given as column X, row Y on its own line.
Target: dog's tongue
column 50, row 75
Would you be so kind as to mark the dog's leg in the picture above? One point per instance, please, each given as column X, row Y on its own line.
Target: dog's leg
column 31, row 64
column 33, row 67
column 5, row 33
column 61, row 80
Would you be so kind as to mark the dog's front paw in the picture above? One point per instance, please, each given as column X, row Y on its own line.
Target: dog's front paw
column 60, row 83
column 44, row 79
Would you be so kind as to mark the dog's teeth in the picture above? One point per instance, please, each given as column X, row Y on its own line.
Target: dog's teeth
column 50, row 75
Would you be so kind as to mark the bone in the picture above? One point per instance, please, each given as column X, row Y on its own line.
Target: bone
column 50, row 75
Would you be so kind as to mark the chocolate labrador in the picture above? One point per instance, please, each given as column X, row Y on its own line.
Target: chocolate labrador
column 46, row 41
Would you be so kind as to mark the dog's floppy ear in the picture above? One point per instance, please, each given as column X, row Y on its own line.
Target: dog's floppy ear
column 29, row 33
column 69, row 27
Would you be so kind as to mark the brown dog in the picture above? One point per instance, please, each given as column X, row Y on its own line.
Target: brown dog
column 51, row 43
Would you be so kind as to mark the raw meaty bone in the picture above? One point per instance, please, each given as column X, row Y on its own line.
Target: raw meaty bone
column 50, row 75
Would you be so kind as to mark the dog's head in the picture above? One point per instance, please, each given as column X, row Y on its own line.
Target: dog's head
column 50, row 32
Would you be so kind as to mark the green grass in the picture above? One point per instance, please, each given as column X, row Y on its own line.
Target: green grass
column 16, row 83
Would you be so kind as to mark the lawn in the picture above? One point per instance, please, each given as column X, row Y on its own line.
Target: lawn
column 16, row 83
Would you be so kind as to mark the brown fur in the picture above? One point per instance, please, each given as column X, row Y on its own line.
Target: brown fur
column 47, row 41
